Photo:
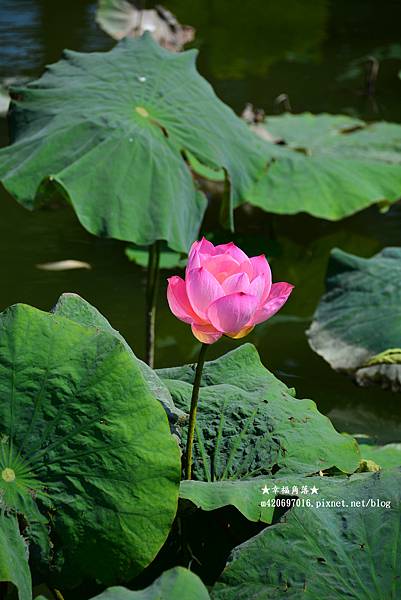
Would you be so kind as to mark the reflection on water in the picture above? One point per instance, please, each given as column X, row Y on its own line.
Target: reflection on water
column 251, row 52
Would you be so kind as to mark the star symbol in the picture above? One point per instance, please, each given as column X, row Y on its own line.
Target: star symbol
column 314, row 490
column 265, row 489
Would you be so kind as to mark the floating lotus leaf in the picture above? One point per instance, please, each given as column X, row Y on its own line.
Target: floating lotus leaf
column 110, row 130
column 330, row 166
column 175, row 584
column 88, row 456
column 333, row 552
column 250, row 423
column 357, row 324
column 14, row 567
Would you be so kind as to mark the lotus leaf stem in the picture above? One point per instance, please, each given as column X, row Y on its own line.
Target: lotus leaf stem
column 151, row 298
column 193, row 410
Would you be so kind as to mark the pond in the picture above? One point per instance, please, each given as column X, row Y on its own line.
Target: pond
column 250, row 52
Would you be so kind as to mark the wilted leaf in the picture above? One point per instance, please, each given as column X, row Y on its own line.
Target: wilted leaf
column 120, row 18
column 4, row 92
column 383, row 372
column 386, row 457
column 63, row 265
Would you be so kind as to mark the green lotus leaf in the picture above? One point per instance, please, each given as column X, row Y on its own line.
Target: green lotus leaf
column 117, row 151
column 73, row 307
column 357, row 324
column 14, row 567
column 176, row 584
column 331, row 551
column 330, row 166
column 246, row 495
column 249, row 423
column 89, row 459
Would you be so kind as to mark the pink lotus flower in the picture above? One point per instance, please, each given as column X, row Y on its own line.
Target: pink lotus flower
column 224, row 292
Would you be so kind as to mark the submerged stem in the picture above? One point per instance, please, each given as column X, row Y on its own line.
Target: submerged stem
column 151, row 297
column 193, row 409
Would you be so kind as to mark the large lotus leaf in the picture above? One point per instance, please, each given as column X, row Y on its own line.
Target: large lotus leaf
column 14, row 567
column 249, row 422
column 84, row 440
column 333, row 551
column 175, row 584
column 331, row 166
column 79, row 310
column 359, row 316
column 117, row 151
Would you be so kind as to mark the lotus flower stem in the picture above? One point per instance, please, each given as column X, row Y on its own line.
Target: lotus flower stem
column 193, row 410
column 151, row 297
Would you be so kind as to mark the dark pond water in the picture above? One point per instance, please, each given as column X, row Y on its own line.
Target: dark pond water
column 251, row 52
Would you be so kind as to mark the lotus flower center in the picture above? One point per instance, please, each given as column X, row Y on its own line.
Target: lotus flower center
column 8, row 475
column 142, row 111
